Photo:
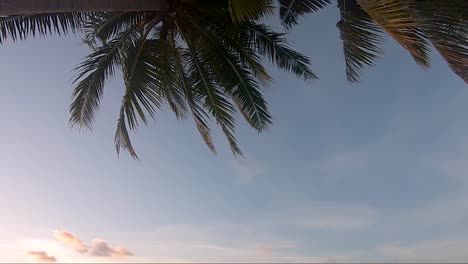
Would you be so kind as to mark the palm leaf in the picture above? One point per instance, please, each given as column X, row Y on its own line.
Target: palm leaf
column 236, row 39
column 273, row 46
column 194, row 101
column 106, row 25
column 241, row 10
column 149, row 80
column 234, row 78
column 445, row 23
column 216, row 103
column 397, row 19
column 201, row 77
column 91, row 75
column 22, row 26
column 361, row 38
column 290, row 10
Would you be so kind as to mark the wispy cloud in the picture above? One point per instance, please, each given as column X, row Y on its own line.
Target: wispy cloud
column 71, row 240
column 41, row 256
column 437, row 251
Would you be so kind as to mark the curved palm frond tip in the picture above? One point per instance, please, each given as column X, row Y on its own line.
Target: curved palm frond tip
column 290, row 10
column 397, row 19
column 445, row 24
column 361, row 38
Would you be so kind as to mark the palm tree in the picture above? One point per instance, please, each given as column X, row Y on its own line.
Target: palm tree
column 192, row 58
column 199, row 65
column 204, row 58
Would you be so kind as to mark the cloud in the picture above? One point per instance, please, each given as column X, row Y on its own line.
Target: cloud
column 71, row 240
column 437, row 251
column 41, row 256
column 120, row 251
column 102, row 249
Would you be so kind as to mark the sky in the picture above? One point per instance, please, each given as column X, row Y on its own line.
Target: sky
column 370, row 172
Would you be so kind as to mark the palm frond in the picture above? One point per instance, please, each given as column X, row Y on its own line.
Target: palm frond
column 361, row 38
column 397, row 19
column 149, row 81
column 234, row 78
column 273, row 46
column 122, row 139
column 141, row 88
column 204, row 82
column 194, row 101
column 290, row 10
column 238, row 40
column 19, row 27
column 100, row 27
column 445, row 24
column 241, row 10
column 201, row 77
column 90, row 78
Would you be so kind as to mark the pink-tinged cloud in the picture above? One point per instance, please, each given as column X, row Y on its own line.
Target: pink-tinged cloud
column 71, row 240
column 41, row 256
column 102, row 249
column 120, row 251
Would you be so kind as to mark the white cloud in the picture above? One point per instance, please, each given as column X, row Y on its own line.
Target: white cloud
column 442, row 251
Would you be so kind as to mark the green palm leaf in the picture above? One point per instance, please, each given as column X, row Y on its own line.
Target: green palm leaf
column 234, row 78
column 273, row 46
column 194, row 101
column 361, row 38
column 236, row 39
column 204, row 81
column 91, row 75
column 150, row 82
column 290, row 10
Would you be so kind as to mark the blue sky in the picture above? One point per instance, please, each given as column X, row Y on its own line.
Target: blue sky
column 368, row 172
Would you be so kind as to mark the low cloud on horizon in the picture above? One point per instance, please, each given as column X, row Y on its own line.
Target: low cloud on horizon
column 41, row 256
column 102, row 249
column 71, row 240
column 98, row 248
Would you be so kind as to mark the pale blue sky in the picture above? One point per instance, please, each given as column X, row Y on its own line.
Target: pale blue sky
column 368, row 172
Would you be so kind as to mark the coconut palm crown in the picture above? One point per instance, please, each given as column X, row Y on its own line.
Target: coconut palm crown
column 206, row 58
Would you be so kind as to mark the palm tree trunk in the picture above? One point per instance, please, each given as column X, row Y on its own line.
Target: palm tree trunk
column 18, row 7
